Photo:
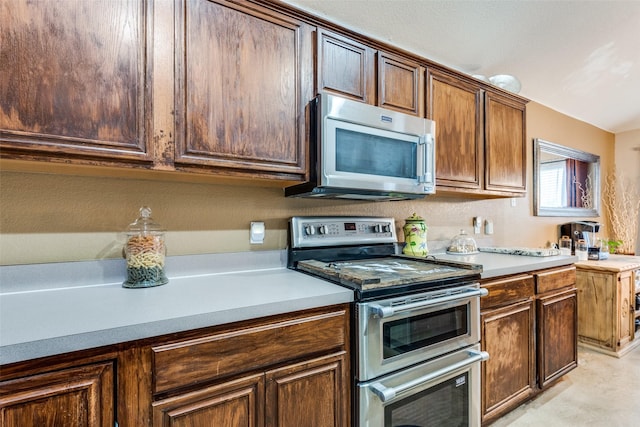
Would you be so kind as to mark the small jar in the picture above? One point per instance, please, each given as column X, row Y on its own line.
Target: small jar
column 582, row 250
column 145, row 253
column 565, row 245
column 415, row 236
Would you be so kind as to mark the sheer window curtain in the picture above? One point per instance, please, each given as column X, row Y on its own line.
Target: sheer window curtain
column 553, row 175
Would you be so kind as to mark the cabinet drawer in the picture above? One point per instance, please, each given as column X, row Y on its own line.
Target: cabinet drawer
column 507, row 290
column 198, row 360
column 557, row 278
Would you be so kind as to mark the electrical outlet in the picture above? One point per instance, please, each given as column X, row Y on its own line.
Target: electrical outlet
column 488, row 227
column 513, row 202
column 256, row 234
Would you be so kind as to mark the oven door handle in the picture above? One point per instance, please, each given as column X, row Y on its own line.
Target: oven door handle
column 387, row 394
column 388, row 311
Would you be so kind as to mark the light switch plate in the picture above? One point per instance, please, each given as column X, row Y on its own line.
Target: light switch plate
column 477, row 225
column 257, row 233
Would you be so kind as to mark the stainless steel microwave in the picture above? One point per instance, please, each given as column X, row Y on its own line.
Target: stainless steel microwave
column 360, row 151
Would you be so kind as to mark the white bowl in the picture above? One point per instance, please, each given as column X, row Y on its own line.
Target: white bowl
column 481, row 77
column 506, row 82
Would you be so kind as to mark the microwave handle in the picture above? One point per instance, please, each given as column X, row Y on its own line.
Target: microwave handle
column 426, row 145
column 388, row 311
column 388, row 393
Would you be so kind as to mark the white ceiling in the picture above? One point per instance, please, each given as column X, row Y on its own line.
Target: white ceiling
column 578, row 57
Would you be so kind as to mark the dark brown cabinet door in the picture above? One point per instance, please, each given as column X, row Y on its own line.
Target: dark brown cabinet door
column 313, row 393
column 238, row 403
column 508, row 377
column 243, row 81
column 480, row 138
column 345, row 67
column 557, row 322
column 455, row 106
column 76, row 397
column 74, row 79
column 505, row 146
column 400, row 84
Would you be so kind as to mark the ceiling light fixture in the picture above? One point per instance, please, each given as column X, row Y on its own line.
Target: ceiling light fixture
column 504, row 81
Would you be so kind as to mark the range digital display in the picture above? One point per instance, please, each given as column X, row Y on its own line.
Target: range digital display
column 350, row 226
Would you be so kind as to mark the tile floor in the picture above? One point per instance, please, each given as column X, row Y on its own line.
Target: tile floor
column 601, row 391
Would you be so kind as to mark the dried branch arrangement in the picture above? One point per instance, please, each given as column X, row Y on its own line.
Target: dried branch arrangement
column 586, row 193
column 621, row 199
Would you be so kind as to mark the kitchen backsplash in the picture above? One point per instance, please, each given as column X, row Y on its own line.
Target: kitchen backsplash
column 56, row 217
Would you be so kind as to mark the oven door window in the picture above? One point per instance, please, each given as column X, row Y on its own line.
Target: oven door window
column 423, row 330
column 443, row 405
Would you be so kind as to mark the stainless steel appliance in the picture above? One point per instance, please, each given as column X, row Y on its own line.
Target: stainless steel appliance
column 580, row 230
column 415, row 327
column 360, row 151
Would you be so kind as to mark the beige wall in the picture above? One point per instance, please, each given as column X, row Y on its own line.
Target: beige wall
column 628, row 166
column 60, row 217
column 628, row 155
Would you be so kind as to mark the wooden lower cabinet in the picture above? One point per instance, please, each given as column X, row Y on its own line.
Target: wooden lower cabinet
column 529, row 329
column 291, row 369
column 606, row 299
column 508, row 377
column 302, row 394
column 308, row 393
column 557, row 317
column 234, row 403
column 288, row 371
column 82, row 396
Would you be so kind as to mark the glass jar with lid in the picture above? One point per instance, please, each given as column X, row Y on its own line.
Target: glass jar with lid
column 582, row 250
column 145, row 253
column 462, row 244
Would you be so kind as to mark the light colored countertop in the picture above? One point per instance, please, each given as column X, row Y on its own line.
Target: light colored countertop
column 56, row 317
column 614, row 263
column 50, row 309
column 494, row 265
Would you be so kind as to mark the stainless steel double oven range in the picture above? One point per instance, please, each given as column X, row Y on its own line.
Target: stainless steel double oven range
column 415, row 327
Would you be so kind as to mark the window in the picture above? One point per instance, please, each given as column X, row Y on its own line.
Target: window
column 553, row 176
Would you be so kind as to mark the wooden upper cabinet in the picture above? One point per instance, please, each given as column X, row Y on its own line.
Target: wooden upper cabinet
column 455, row 106
column 400, row 84
column 480, row 137
column 243, row 78
column 75, row 79
column 345, row 67
column 505, row 145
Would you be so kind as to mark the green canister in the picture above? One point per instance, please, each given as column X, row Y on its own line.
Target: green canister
column 415, row 236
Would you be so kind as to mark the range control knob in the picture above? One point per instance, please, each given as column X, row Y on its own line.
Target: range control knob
column 381, row 228
column 322, row 229
column 309, row 230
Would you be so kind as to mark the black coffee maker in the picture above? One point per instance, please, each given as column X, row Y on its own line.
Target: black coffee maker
column 585, row 230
